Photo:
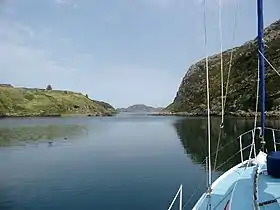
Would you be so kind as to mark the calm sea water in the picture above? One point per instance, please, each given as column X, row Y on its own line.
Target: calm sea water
column 115, row 163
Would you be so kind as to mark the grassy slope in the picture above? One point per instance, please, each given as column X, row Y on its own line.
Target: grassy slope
column 37, row 102
column 242, row 84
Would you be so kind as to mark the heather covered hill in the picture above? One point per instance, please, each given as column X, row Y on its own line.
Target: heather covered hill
column 191, row 96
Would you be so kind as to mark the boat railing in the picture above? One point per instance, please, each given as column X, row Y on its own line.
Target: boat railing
column 253, row 134
column 179, row 193
column 241, row 150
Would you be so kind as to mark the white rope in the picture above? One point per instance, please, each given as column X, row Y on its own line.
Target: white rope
column 255, row 190
column 228, row 76
column 232, row 50
column 255, row 153
column 221, row 54
column 256, row 109
column 190, row 198
column 231, row 157
column 208, row 98
column 256, row 115
column 269, row 63
column 274, row 140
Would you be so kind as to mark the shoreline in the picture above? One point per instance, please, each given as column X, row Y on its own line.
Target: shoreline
column 35, row 102
column 3, row 116
column 243, row 114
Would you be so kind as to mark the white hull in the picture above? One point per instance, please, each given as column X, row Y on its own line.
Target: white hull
column 234, row 189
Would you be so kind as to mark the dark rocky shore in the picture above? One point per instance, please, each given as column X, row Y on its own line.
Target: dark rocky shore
column 231, row 114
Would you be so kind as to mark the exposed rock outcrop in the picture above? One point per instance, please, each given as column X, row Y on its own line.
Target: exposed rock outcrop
column 191, row 96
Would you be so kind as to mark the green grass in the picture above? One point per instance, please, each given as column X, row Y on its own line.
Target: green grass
column 191, row 96
column 37, row 102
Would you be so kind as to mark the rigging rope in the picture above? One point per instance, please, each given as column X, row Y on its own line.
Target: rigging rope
column 221, row 55
column 222, row 164
column 269, row 63
column 190, row 198
column 255, row 185
column 256, row 112
column 226, row 161
column 256, row 115
column 217, row 148
column 232, row 50
column 228, row 75
column 208, row 98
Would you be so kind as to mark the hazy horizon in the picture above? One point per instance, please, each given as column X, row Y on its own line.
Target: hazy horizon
column 121, row 52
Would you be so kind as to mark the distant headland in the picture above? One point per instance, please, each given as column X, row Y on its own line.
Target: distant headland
column 35, row 102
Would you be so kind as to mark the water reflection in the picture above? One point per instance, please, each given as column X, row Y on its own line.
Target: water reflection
column 11, row 136
column 192, row 134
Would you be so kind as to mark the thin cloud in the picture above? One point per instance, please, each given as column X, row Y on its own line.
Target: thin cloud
column 22, row 61
column 28, row 30
column 159, row 3
column 25, row 64
column 61, row 1
column 71, row 3
column 164, row 4
column 216, row 2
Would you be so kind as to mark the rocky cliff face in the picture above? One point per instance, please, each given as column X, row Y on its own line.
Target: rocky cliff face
column 191, row 96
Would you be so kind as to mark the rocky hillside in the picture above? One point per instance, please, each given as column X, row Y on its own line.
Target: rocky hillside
column 140, row 108
column 191, row 96
column 40, row 102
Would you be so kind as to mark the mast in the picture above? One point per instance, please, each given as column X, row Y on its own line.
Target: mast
column 261, row 67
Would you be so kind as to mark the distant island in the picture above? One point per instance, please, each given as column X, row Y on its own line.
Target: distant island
column 140, row 108
column 34, row 102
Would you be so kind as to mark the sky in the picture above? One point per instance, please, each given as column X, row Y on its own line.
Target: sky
column 120, row 51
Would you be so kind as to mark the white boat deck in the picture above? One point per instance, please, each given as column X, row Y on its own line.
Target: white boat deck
column 242, row 196
column 236, row 186
column 269, row 189
column 222, row 189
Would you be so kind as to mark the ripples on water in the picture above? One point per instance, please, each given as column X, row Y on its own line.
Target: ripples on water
column 124, row 162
